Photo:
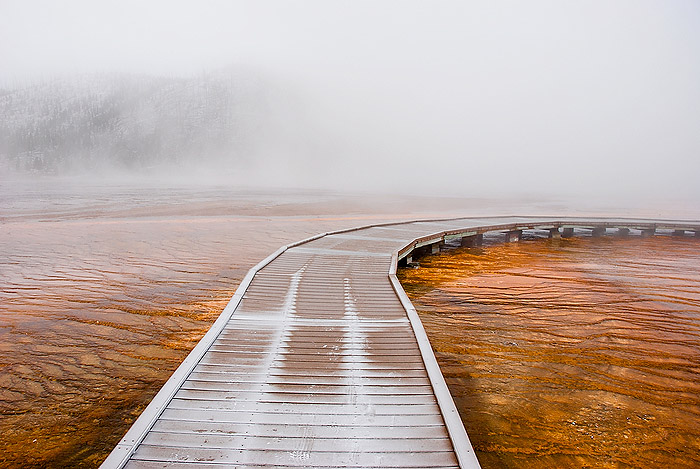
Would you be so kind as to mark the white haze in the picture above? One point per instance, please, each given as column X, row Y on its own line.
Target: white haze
column 454, row 97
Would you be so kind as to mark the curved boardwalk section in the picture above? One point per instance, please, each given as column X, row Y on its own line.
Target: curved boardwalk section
column 319, row 360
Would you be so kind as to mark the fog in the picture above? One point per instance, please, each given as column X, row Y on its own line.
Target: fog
column 592, row 98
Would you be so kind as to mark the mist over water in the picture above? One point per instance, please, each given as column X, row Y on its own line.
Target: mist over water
column 544, row 98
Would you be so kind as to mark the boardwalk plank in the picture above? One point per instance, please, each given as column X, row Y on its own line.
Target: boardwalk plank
column 303, row 407
column 340, row 388
column 136, row 464
column 295, row 431
column 349, row 456
column 236, row 371
column 283, row 379
column 287, row 443
column 253, row 418
column 319, row 399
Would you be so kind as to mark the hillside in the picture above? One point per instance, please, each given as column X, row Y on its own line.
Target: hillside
column 126, row 122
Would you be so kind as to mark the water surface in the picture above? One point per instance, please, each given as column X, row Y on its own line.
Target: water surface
column 570, row 353
column 106, row 288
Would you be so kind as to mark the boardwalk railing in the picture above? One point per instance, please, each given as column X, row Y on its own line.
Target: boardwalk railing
column 320, row 360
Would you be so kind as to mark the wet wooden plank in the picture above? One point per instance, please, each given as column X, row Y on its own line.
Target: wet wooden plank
column 310, row 397
column 348, row 455
column 340, row 388
column 319, row 367
column 236, row 371
column 253, row 418
column 295, row 431
column 136, row 464
column 285, row 379
column 305, row 439
column 299, row 408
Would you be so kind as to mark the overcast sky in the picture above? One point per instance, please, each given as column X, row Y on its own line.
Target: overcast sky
column 588, row 96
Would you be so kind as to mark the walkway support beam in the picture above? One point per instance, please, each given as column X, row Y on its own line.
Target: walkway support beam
column 513, row 236
column 473, row 240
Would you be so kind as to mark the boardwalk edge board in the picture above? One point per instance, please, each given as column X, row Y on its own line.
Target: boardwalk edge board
column 458, row 434
column 468, row 227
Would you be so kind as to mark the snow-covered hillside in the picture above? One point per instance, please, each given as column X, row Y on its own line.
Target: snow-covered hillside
column 127, row 122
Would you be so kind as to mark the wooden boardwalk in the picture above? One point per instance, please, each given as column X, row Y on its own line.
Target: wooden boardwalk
column 320, row 360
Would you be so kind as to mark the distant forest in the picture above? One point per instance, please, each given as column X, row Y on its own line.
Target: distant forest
column 125, row 122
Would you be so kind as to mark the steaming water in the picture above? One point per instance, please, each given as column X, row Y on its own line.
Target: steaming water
column 105, row 290
column 573, row 353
